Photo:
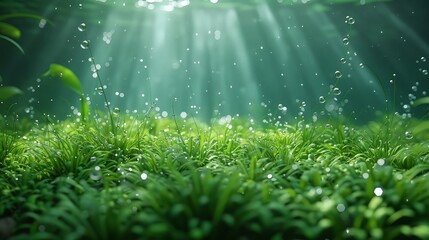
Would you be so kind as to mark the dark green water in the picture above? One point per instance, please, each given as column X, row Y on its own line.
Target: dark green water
column 260, row 59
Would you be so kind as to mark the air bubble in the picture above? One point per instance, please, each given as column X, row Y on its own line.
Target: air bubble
column 336, row 91
column 143, row 176
column 408, row 135
column 322, row 99
column 116, row 110
column 82, row 27
column 84, row 44
column 425, row 72
column 346, row 41
column 343, row 60
column 341, row 207
column 406, row 108
column 349, row 20
column 338, row 74
column 378, row 191
column 100, row 90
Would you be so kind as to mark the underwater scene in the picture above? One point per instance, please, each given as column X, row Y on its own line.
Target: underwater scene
column 214, row 119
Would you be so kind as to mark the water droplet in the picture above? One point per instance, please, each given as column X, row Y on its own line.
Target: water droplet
column 336, row 91
column 183, row 115
column 322, row 99
column 406, row 108
column 82, row 27
column 143, row 176
column 380, row 162
column 282, row 108
column 350, row 21
column 425, row 72
column 346, row 41
column 84, row 44
column 343, row 60
column 341, row 207
column 100, row 90
column 378, row 191
column 361, row 65
column 116, row 111
column 365, row 175
column 423, row 59
column 338, row 74
column 42, row 23
column 269, row 176
column 408, row 135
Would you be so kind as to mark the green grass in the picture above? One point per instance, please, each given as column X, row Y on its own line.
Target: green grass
column 166, row 179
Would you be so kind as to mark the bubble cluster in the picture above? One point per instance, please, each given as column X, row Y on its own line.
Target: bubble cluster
column 282, row 108
column 350, row 20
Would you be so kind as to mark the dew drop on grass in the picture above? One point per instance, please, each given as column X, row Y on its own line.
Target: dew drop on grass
column 338, row 74
column 143, row 176
column 378, row 191
column 269, row 176
column 84, row 44
column 116, row 110
column 381, row 162
column 82, row 27
column 365, row 175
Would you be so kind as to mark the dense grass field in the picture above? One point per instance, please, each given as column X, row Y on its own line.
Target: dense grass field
column 168, row 178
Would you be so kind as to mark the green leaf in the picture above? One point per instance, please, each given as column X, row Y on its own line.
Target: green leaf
column 85, row 108
column 421, row 231
column 8, row 92
column 421, row 101
column 403, row 213
column 13, row 42
column 9, row 30
column 68, row 77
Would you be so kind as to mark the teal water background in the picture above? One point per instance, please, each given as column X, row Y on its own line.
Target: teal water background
column 256, row 59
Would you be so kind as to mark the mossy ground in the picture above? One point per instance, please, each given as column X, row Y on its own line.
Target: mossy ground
column 161, row 179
